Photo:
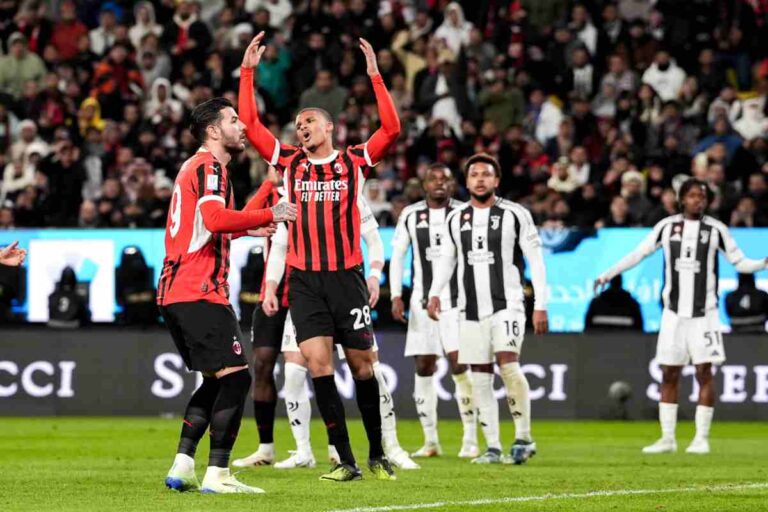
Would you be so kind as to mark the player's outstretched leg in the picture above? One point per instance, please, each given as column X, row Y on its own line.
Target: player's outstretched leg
column 519, row 403
column 299, row 414
column 488, row 413
column 463, row 383
column 392, row 448
column 226, row 415
column 181, row 476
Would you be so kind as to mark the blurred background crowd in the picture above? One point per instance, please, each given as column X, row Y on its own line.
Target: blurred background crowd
column 595, row 109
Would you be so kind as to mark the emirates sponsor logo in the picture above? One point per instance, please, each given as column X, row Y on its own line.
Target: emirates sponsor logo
column 319, row 186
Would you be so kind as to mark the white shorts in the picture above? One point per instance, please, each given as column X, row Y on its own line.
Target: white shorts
column 427, row 337
column 501, row 332
column 690, row 340
column 290, row 344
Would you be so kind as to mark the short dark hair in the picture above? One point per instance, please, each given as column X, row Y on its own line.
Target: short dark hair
column 438, row 167
column 327, row 115
column 694, row 183
column 206, row 114
column 483, row 158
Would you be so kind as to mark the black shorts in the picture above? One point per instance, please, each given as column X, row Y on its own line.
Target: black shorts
column 267, row 331
column 331, row 303
column 207, row 335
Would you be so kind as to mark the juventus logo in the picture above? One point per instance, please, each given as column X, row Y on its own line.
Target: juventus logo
column 704, row 237
column 292, row 406
column 495, row 220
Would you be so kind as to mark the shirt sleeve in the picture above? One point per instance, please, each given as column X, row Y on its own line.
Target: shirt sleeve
column 735, row 256
column 446, row 263
column 277, row 254
column 647, row 247
column 368, row 221
column 530, row 243
column 400, row 243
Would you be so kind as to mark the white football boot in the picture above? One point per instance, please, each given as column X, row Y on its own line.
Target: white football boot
column 264, row 456
column 220, row 481
column 181, row 476
column 298, row 459
column 699, row 445
column 663, row 445
column 428, row 450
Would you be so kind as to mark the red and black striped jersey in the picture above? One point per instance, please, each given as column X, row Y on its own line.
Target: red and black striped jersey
column 196, row 264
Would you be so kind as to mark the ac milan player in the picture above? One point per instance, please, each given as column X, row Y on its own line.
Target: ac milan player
column 193, row 294
column 328, row 296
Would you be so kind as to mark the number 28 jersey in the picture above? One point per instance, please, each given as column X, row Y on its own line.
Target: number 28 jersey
column 196, row 265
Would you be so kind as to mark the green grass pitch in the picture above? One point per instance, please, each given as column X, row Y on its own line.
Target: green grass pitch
column 85, row 464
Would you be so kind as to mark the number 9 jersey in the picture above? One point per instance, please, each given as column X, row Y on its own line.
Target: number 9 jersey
column 196, row 264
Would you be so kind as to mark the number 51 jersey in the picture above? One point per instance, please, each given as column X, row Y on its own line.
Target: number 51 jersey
column 196, row 264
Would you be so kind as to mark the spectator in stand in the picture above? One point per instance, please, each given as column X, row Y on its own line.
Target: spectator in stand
column 144, row 23
column 67, row 32
column 19, row 66
column 187, row 36
column 747, row 306
column 325, row 94
column 633, row 191
column 614, row 310
column 562, row 180
column 664, row 76
column 455, row 30
column 103, row 37
column 618, row 216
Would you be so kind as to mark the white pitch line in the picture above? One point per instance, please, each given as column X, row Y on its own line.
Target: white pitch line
column 546, row 497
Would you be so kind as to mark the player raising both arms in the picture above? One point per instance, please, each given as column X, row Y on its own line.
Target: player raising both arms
column 328, row 294
column 690, row 324
column 193, row 294
column 486, row 237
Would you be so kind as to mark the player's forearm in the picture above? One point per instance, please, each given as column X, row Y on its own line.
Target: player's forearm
column 443, row 274
column 382, row 139
column 375, row 248
column 627, row 262
column 270, row 285
column 218, row 219
column 259, row 199
column 257, row 134
column 748, row 266
column 535, row 259
column 276, row 263
column 396, row 270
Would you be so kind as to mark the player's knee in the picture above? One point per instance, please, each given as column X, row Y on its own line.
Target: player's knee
column 670, row 375
column 362, row 372
column 703, row 374
column 425, row 366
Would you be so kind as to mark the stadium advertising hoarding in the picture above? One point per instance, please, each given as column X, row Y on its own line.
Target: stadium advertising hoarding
column 106, row 371
column 573, row 261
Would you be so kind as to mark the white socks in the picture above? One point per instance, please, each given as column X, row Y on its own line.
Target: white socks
column 463, row 383
column 425, row 396
column 668, row 419
column 387, row 408
column 703, row 421
column 297, row 405
column 487, row 407
column 183, row 463
column 518, row 399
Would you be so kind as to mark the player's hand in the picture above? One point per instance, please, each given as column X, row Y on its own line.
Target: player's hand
column 599, row 285
column 540, row 322
column 370, row 57
column 270, row 304
column 373, row 291
column 398, row 309
column 275, row 177
column 254, row 52
column 283, row 212
column 266, row 231
column 11, row 255
column 433, row 308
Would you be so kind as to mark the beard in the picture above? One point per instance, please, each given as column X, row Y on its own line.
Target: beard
column 235, row 147
column 482, row 197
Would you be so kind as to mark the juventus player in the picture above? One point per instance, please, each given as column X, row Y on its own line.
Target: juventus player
column 329, row 298
column 486, row 237
column 193, row 294
column 421, row 227
column 690, row 325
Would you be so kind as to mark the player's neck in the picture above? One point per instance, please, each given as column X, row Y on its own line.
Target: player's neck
column 221, row 154
column 691, row 216
column 321, row 152
column 437, row 203
column 476, row 203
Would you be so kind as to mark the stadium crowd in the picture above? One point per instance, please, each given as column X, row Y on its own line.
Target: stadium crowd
column 594, row 109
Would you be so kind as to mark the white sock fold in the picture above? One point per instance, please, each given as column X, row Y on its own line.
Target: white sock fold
column 387, row 409
column 518, row 399
column 184, row 462
column 297, row 405
column 425, row 396
column 703, row 420
column 463, row 383
column 487, row 407
column 668, row 419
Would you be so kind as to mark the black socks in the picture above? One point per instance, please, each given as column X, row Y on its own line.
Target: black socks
column 332, row 411
column 226, row 414
column 264, row 412
column 198, row 415
column 367, row 392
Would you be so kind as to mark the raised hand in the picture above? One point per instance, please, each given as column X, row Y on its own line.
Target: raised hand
column 370, row 57
column 12, row 256
column 283, row 212
column 253, row 53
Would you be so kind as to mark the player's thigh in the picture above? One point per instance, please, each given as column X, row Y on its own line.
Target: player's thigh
column 347, row 297
column 704, row 339
column 310, row 313
column 422, row 338
column 671, row 349
column 448, row 330
column 508, row 331
column 213, row 336
column 267, row 331
column 475, row 342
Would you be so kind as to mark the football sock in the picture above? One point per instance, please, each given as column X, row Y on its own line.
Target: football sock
column 226, row 416
column 703, row 420
column 463, row 383
column 332, row 411
column 264, row 412
column 487, row 407
column 518, row 399
column 425, row 396
column 668, row 419
column 297, row 404
column 367, row 392
column 387, row 409
column 197, row 416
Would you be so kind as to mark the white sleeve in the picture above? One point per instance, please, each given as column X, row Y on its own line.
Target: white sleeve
column 530, row 243
column 445, row 264
column 647, row 247
column 400, row 243
column 732, row 252
column 375, row 246
column 368, row 221
column 277, row 253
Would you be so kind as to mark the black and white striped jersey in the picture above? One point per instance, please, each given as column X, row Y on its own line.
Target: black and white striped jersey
column 486, row 246
column 421, row 228
column 690, row 262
